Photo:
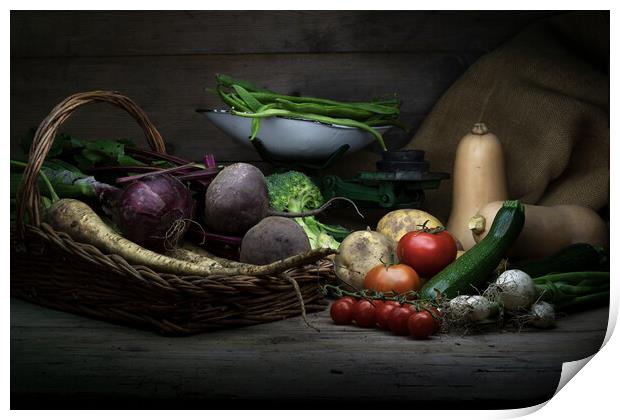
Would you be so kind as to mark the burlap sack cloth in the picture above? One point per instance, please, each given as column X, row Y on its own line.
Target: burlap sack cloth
column 545, row 94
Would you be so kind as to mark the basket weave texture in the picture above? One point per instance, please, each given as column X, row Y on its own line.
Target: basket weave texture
column 51, row 269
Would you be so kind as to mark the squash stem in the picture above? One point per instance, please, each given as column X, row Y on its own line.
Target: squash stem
column 477, row 224
column 480, row 129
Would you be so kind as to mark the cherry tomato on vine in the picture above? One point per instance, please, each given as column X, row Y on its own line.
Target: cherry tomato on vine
column 378, row 303
column 391, row 303
column 349, row 299
column 383, row 315
column 398, row 320
column 341, row 311
column 364, row 314
column 437, row 317
column 399, row 278
column 421, row 325
column 427, row 251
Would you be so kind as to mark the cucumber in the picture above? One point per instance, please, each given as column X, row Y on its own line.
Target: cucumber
column 575, row 257
column 471, row 271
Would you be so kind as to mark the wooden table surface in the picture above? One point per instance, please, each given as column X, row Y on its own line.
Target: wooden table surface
column 59, row 360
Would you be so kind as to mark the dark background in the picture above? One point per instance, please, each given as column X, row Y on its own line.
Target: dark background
column 165, row 60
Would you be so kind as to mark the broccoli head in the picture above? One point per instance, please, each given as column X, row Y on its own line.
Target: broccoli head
column 295, row 192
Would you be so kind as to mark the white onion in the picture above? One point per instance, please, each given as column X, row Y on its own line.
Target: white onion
column 466, row 308
column 542, row 315
column 515, row 290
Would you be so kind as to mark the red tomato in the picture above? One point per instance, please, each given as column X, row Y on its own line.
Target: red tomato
column 383, row 315
column 426, row 251
column 391, row 303
column 421, row 325
column 437, row 317
column 349, row 299
column 364, row 314
column 398, row 320
column 378, row 303
column 341, row 312
column 398, row 278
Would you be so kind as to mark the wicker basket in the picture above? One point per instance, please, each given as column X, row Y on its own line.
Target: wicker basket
column 49, row 268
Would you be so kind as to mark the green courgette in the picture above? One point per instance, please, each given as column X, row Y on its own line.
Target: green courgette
column 471, row 271
column 573, row 258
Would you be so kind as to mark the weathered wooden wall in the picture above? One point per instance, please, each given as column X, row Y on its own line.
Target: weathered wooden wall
column 165, row 60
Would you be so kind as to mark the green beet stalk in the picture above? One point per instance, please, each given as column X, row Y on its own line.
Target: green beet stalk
column 470, row 272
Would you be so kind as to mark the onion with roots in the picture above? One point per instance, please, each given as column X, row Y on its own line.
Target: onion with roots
column 152, row 211
column 465, row 309
column 514, row 290
column 542, row 315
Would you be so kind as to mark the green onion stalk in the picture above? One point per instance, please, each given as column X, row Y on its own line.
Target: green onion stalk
column 574, row 291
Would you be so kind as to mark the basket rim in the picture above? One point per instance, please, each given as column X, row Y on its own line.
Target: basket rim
column 28, row 197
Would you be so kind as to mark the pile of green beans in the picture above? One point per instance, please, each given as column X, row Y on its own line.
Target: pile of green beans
column 246, row 100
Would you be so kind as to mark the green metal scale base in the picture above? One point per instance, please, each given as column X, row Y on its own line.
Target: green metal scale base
column 381, row 189
column 399, row 182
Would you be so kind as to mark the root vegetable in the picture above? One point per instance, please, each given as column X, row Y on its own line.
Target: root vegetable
column 152, row 211
column 398, row 223
column 79, row 221
column 197, row 255
column 238, row 199
column 464, row 309
column 359, row 253
column 541, row 315
column 273, row 238
column 514, row 289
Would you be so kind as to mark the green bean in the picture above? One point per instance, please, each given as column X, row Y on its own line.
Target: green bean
column 371, row 107
column 256, row 121
column 249, row 100
column 328, row 110
column 231, row 101
column 228, row 81
column 314, row 117
column 384, row 122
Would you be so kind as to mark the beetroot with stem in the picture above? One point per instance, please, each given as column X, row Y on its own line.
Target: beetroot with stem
column 237, row 199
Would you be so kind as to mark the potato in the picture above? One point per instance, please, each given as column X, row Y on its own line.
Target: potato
column 359, row 252
column 397, row 223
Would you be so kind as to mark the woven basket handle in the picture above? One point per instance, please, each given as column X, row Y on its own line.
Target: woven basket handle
column 28, row 197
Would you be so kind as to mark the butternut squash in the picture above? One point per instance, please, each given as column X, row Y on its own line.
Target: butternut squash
column 547, row 230
column 478, row 178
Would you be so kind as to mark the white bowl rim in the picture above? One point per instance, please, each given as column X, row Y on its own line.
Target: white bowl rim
column 227, row 111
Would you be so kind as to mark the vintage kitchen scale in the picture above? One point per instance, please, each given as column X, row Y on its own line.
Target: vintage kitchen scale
column 399, row 181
